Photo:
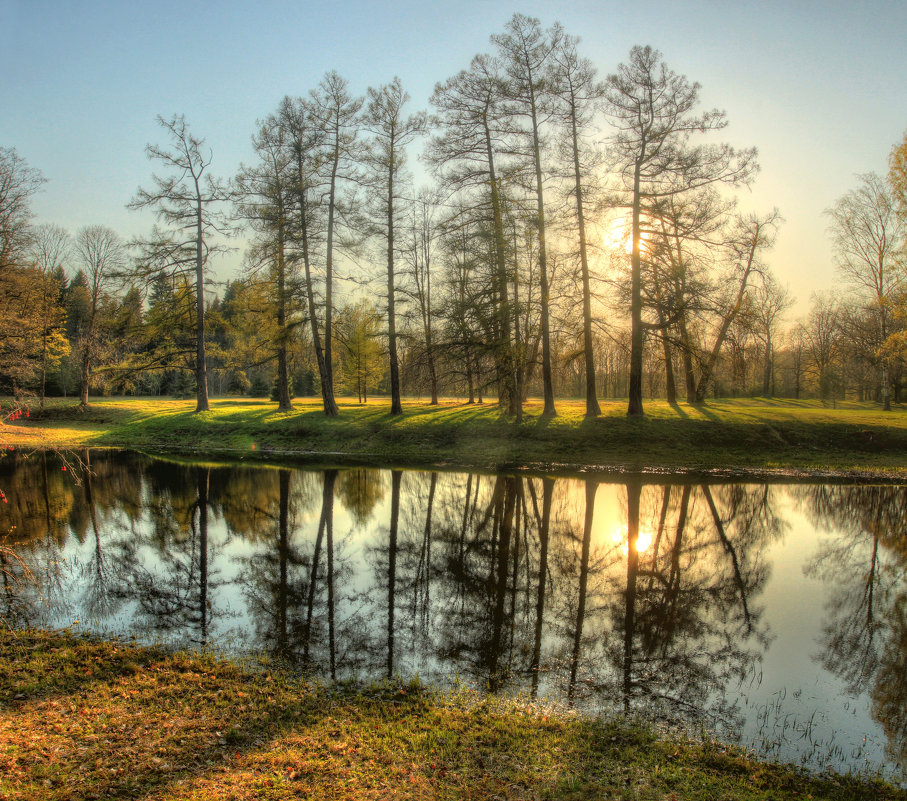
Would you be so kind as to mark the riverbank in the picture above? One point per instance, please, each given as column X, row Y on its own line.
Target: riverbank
column 85, row 719
column 761, row 435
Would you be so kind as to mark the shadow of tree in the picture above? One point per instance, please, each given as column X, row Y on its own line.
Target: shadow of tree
column 177, row 726
column 705, row 411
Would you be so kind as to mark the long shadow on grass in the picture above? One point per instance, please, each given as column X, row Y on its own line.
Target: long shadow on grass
column 486, row 759
column 705, row 411
column 184, row 737
column 216, row 404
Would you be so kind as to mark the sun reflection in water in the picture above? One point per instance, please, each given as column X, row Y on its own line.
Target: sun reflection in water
column 620, row 537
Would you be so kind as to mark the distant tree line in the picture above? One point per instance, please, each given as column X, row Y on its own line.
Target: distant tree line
column 568, row 237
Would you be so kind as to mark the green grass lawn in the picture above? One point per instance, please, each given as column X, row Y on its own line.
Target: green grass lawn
column 86, row 719
column 732, row 435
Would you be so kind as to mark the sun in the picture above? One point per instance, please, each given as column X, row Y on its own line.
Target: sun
column 620, row 236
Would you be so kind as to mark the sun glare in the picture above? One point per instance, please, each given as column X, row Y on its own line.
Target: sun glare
column 619, row 237
column 620, row 538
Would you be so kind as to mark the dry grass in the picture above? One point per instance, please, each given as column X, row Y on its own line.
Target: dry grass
column 83, row 719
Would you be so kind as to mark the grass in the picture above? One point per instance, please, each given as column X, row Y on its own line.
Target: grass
column 89, row 719
column 735, row 435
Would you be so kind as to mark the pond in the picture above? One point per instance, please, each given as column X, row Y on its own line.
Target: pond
column 772, row 615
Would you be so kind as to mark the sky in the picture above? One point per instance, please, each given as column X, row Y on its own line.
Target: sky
column 820, row 88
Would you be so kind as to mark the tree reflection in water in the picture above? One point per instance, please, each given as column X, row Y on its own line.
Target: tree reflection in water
column 167, row 570
column 637, row 597
column 689, row 626
column 864, row 563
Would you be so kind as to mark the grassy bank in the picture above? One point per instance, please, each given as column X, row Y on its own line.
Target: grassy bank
column 85, row 719
column 735, row 434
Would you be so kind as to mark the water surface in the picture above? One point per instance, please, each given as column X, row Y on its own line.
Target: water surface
column 774, row 615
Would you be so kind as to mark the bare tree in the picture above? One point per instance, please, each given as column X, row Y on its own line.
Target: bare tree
column 18, row 183
column 336, row 112
column 185, row 201
column 264, row 198
column 770, row 301
column 102, row 256
column 50, row 248
column 575, row 84
column 869, row 239
column 419, row 258
column 527, row 53
column 467, row 157
column 652, row 109
column 822, row 342
column 751, row 236
column 685, row 240
column 384, row 157
column 796, row 340
column 305, row 137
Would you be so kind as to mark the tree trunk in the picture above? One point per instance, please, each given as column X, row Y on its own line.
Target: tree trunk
column 84, row 377
column 886, row 380
column 284, row 403
column 328, row 376
column 634, row 391
column 886, row 387
column 432, row 380
column 522, row 367
column 43, row 366
column 426, row 316
column 396, row 405
column 689, row 374
column 547, row 377
column 327, row 388
column 506, row 363
column 592, row 407
column 670, row 385
column 201, row 370
column 708, row 366
column 430, row 355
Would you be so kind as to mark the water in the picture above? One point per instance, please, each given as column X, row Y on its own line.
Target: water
column 768, row 614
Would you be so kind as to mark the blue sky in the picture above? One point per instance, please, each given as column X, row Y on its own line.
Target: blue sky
column 819, row 87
